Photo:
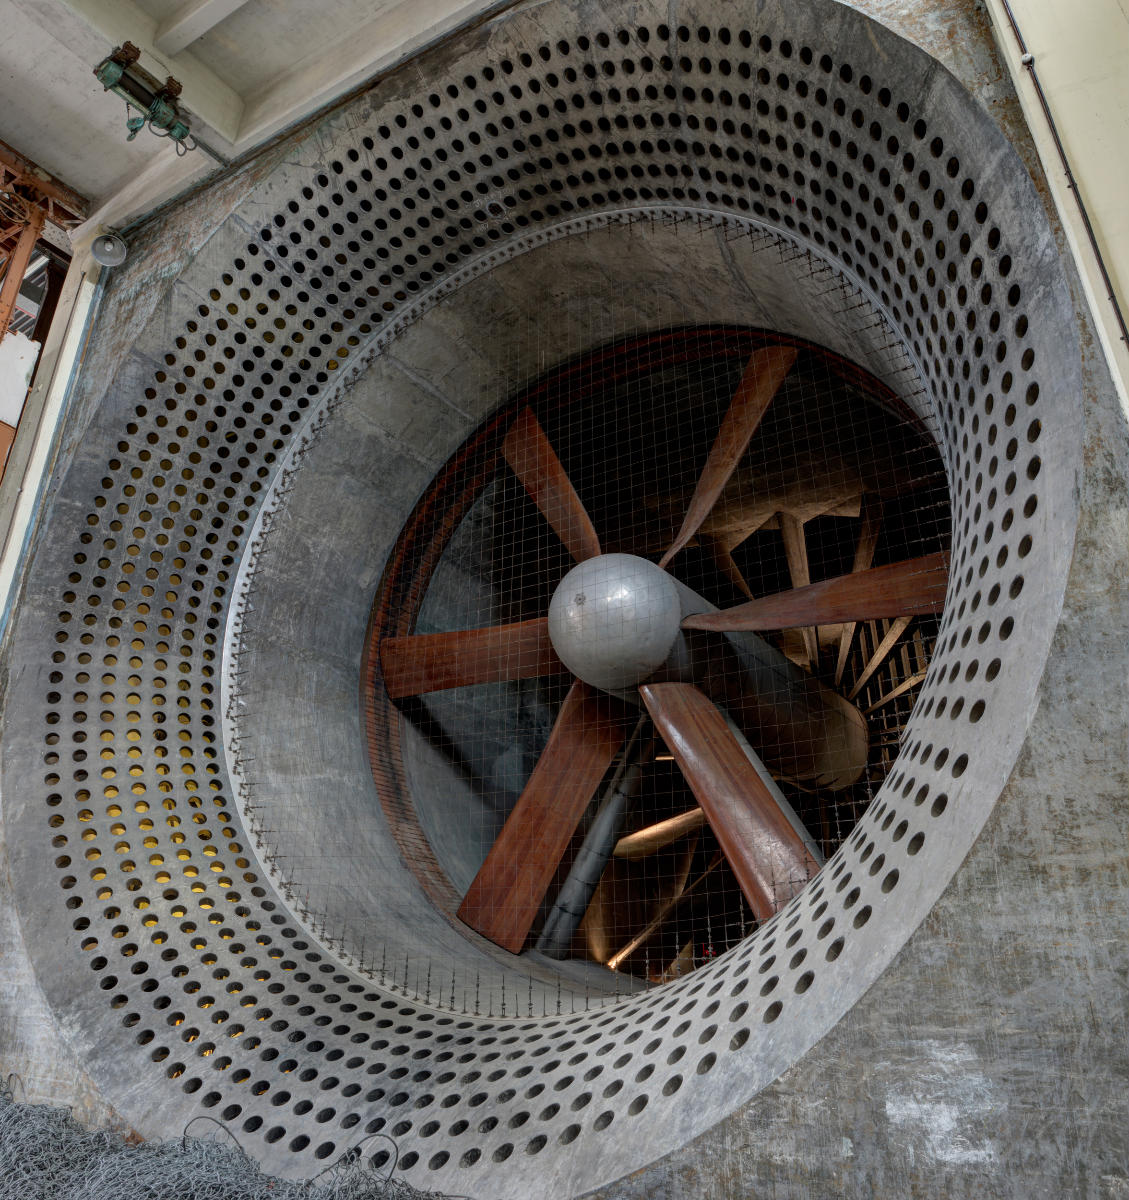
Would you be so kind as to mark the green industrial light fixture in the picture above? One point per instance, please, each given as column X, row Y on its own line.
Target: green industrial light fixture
column 155, row 102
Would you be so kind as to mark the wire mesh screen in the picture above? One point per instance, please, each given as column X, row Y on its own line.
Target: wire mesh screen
column 546, row 576
column 45, row 1154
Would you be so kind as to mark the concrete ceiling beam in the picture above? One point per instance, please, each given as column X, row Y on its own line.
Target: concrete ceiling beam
column 191, row 21
column 378, row 45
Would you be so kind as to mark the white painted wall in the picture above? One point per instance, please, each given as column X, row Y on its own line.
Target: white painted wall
column 17, row 361
column 1081, row 54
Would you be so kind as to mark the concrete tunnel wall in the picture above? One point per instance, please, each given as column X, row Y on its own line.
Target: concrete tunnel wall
column 767, row 1081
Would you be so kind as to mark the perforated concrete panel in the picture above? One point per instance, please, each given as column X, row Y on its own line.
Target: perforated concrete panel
column 187, row 658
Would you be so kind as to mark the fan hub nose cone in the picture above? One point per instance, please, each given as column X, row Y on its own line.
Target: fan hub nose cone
column 614, row 620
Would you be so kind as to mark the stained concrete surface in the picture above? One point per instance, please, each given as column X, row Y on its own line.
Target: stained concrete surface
column 989, row 1060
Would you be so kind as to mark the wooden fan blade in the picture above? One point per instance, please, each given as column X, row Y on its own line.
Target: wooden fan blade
column 682, row 964
column 684, row 892
column 761, row 381
column 766, row 853
column 910, row 588
column 505, row 895
column 723, row 560
column 535, row 463
column 903, row 687
column 870, row 511
column 796, row 553
column 881, row 651
column 651, row 840
column 430, row 662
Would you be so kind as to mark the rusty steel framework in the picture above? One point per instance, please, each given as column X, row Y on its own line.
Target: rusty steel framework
column 29, row 199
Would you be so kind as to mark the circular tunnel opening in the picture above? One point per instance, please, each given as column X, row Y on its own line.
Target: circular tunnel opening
column 838, row 477
column 209, row 566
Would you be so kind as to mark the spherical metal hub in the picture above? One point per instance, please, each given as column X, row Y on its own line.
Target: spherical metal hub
column 614, row 620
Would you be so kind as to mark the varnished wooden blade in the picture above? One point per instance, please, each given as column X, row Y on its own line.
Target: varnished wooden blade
column 727, row 568
column 665, row 909
column 681, row 965
column 796, row 553
column 649, row 841
column 910, row 588
column 503, row 900
column 430, row 662
column 535, row 463
column 903, row 687
column 881, row 651
column 870, row 512
column 768, row 857
column 761, row 381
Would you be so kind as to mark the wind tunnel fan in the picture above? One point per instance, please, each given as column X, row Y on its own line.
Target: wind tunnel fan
column 743, row 700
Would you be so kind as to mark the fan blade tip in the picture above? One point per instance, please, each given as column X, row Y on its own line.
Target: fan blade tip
column 913, row 587
column 472, row 917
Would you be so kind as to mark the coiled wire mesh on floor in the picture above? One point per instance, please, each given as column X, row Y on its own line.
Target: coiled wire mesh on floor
column 45, row 1154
